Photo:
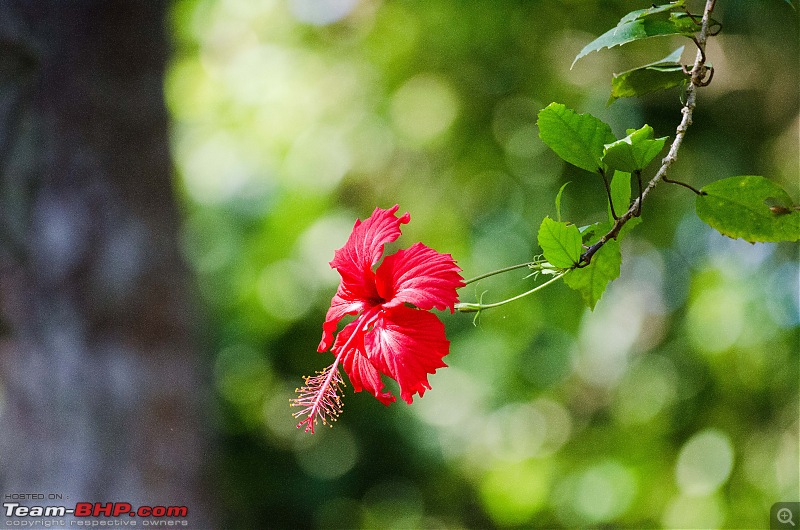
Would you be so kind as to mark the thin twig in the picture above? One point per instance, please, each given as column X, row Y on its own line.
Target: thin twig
column 639, row 180
column 608, row 194
column 687, row 186
column 499, row 271
column 697, row 73
column 466, row 307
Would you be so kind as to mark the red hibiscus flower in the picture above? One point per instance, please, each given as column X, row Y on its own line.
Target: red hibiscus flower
column 394, row 333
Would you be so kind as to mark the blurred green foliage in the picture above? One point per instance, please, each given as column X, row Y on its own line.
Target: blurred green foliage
column 674, row 403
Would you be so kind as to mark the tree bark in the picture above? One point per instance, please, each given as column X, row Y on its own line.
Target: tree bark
column 103, row 387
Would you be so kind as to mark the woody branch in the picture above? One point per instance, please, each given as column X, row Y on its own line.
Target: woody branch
column 697, row 79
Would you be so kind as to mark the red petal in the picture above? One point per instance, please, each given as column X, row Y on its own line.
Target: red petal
column 407, row 344
column 358, row 367
column 343, row 303
column 354, row 261
column 364, row 249
column 421, row 276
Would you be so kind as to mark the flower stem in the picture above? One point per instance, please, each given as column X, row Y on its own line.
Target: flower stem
column 466, row 307
column 534, row 265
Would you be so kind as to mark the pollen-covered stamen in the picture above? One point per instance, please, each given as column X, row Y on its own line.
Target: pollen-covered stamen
column 319, row 398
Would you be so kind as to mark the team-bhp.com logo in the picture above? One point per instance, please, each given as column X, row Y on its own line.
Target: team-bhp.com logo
column 94, row 510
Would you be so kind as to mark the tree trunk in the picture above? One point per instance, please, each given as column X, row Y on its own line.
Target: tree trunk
column 103, row 389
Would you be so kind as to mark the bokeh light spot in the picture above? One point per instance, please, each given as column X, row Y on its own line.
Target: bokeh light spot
column 316, row 246
column 321, row 12
column 317, row 160
column 453, row 399
column 521, row 142
column 558, row 423
column 604, row 492
column 513, row 493
column 693, row 512
column 284, row 290
column 598, row 494
column 704, row 463
column 716, row 319
column 424, row 107
column 214, row 169
column 783, row 295
column 334, row 455
column 609, row 333
column 515, row 432
column 647, row 388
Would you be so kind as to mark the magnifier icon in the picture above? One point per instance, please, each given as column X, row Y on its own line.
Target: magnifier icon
column 785, row 516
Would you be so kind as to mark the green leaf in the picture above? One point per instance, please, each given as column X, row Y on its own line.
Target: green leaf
column 577, row 138
column 660, row 75
column 591, row 281
column 620, row 193
column 592, row 233
column 644, row 80
column 558, row 201
column 634, row 152
column 560, row 242
column 643, row 24
column 641, row 13
column 743, row 207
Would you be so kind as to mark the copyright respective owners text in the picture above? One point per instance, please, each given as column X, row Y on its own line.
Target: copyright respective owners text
column 784, row 515
column 56, row 510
